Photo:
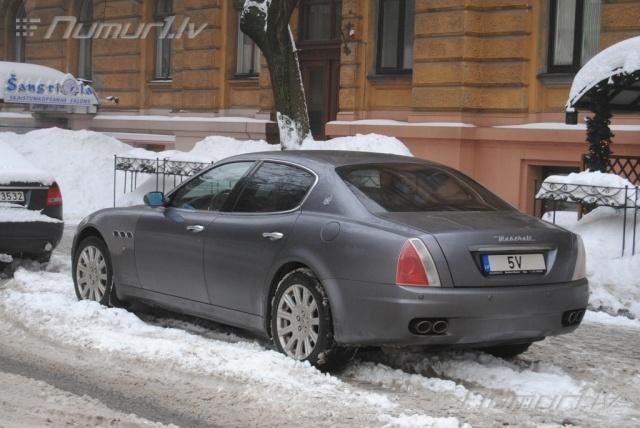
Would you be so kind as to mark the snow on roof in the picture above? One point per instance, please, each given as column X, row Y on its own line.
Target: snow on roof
column 15, row 168
column 621, row 58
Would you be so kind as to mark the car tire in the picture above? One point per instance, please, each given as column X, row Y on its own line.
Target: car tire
column 92, row 271
column 508, row 351
column 301, row 323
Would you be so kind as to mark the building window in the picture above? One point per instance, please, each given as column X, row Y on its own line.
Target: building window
column 248, row 54
column 320, row 20
column 164, row 10
column 574, row 36
column 21, row 29
column 396, row 19
column 85, row 20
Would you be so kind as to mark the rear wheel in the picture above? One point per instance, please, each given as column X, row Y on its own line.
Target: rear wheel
column 508, row 351
column 92, row 271
column 301, row 323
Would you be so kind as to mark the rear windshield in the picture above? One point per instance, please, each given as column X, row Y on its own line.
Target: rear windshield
column 406, row 187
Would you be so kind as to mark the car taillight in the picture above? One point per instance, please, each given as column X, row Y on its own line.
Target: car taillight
column 580, row 270
column 54, row 196
column 415, row 266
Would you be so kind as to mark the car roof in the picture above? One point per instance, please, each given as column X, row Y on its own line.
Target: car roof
column 335, row 158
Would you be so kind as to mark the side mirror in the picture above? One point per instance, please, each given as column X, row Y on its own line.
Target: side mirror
column 154, row 199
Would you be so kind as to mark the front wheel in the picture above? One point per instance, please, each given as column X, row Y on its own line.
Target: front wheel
column 301, row 322
column 92, row 271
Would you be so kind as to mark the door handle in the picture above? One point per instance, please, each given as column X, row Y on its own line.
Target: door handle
column 273, row 236
column 196, row 228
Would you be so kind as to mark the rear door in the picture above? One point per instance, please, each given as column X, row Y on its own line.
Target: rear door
column 169, row 241
column 242, row 245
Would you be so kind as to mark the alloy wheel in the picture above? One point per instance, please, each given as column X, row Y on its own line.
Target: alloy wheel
column 297, row 322
column 91, row 274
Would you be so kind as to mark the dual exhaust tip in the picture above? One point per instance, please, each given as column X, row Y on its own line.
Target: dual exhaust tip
column 429, row 326
column 573, row 317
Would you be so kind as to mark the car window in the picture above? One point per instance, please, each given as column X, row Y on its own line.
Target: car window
column 274, row 187
column 210, row 190
column 417, row 187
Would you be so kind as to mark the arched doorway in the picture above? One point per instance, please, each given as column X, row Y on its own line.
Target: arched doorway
column 319, row 55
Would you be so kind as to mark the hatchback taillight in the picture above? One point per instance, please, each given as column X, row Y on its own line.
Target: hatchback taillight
column 54, row 196
column 415, row 266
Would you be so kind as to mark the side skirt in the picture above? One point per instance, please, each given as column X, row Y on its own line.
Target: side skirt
column 253, row 323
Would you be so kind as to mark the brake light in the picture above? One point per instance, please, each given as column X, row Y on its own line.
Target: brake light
column 54, row 196
column 410, row 270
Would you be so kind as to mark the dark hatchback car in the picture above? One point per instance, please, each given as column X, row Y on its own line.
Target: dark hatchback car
column 328, row 251
column 31, row 223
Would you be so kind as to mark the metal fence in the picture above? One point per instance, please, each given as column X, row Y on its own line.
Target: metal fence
column 586, row 196
column 162, row 169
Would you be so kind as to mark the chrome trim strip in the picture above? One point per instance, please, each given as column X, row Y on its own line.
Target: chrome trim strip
column 254, row 168
column 427, row 262
column 3, row 188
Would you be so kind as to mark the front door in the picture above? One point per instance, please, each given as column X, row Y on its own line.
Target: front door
column 169, row 241
column 319, row 55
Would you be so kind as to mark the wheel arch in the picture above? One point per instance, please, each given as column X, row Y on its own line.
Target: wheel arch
column 86, row 232
column 284, row 268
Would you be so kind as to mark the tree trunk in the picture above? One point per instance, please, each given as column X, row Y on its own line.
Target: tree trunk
column 267, row 23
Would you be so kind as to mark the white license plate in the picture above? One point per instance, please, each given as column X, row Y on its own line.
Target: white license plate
column 513, row 263
column 11, row 196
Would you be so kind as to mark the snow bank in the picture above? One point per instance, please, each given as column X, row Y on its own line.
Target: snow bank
column 614, row 281
column 590, row 187
column 216, row 148
column 621, row 58
column 15, row 168
column 80, row 161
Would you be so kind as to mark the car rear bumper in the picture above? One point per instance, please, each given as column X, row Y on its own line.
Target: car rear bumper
column 379, row 314
column 29, row 237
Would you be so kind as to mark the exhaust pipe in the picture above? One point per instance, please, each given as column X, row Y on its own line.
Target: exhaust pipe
column 440, row 327
column 574, row 317
column 423, row 327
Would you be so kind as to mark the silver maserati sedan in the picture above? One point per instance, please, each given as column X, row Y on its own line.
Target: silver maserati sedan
column 325, row 252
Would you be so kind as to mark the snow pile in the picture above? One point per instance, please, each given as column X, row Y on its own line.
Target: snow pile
column 14, row 168
column 590, row 187
column 614, row 281
column 44, row 302
column 80, row 161
column 23, row 215
column 619, row 59
column 216, row 148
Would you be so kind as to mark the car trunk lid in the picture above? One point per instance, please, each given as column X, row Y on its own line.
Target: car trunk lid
column 468, row 238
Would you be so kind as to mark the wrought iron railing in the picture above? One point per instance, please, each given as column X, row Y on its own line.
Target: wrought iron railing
column 622, row 198
column 132, row 167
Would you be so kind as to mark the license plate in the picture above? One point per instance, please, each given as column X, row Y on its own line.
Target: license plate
column 11, row 196
column 500, row 264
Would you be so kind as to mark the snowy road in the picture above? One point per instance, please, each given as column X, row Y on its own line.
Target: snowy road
column 67, row 362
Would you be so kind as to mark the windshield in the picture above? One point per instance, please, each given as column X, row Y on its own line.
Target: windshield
column 408, row 187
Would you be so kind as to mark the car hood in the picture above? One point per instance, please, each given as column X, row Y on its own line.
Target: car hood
column 464, row 237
